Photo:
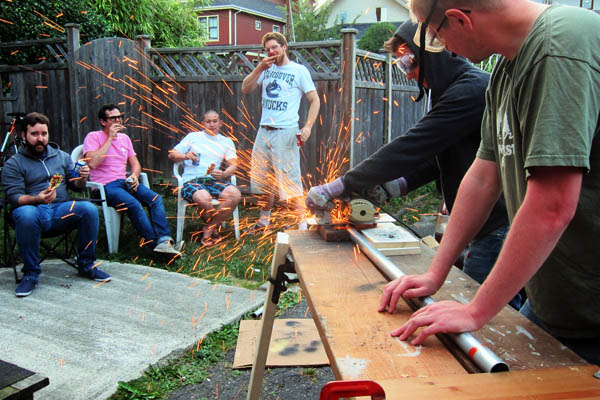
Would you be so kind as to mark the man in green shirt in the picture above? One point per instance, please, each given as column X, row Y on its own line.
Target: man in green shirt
column 539, row 145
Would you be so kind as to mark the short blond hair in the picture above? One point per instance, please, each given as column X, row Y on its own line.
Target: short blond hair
column 274, row 36
column 421, row 8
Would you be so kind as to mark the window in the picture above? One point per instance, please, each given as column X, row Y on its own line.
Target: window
column 342, row 16
column 381, row 13
column 257, row 25
column 276, row 28
column 212, row 26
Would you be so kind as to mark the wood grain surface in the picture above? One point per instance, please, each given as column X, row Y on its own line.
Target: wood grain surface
column 343, row 289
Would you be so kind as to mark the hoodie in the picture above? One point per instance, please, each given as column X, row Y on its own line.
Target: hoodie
column 443, row 143
column 27, row 174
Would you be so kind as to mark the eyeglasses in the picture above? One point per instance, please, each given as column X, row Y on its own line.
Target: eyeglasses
column 406, row 62
column 433, row 42
column 115, row 118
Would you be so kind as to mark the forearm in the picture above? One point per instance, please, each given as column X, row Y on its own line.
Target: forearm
column 27, row 200
column 476, row 196
column 548, row 207
column 176, row 156
column 251, row 81
column 96, row 158
column 229, row 171
column 313, row 112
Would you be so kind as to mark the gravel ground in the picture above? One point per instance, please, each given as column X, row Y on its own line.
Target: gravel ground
column 294, row 383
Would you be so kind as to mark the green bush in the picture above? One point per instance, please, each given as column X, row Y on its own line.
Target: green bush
column 375, row 36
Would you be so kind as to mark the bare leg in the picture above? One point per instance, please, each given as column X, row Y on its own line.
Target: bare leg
column 230, row 197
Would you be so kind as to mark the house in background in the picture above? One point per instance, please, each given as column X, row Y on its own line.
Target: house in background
column 367, row 14
column 242, row 22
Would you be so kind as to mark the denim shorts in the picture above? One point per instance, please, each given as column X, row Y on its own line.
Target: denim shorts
column 213, row 187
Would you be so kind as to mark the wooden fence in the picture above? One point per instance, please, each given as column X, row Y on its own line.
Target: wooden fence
column 365, row 101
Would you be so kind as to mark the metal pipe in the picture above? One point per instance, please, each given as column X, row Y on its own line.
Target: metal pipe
column 483, row 357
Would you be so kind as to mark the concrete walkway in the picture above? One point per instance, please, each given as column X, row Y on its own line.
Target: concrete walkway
column 86, row 338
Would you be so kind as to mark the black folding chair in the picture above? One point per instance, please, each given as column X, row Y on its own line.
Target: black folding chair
column 63, row 246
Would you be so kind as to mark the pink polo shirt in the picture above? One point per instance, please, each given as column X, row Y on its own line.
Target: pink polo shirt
column 115, row 162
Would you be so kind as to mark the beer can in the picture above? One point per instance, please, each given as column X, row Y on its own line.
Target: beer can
column 129, row 182
column 197, row 162
column 77, row 168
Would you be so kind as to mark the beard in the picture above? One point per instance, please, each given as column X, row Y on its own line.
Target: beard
column 33, row 148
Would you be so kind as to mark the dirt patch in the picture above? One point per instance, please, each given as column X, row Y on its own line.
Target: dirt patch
column 294, row 383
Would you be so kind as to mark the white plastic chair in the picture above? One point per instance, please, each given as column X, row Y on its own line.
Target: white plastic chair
column 181, row 205
column 112, row 218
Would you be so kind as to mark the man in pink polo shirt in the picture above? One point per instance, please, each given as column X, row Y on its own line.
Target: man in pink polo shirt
column 108, row 152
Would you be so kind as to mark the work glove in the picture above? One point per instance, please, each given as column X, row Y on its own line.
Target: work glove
column 320, row 198
column 381, row 194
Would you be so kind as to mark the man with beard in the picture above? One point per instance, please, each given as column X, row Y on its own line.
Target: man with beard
column 442, row 145
column 275, row 165
column 29, row 178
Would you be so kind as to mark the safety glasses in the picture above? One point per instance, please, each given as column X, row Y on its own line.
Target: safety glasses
column 406, row 63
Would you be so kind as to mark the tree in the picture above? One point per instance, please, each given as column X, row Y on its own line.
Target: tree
column 31, row 20
column 170, row 23
column 311, row 24
column 375, row 36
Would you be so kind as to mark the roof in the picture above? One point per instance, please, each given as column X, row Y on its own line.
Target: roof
column 262, row 8
column 321, row 3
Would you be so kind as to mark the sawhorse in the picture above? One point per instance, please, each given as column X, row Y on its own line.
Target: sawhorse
column 281, row 265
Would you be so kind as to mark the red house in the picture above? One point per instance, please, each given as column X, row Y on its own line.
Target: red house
column 242, row 22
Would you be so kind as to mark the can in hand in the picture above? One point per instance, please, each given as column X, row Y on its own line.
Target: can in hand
column 129, row 181
column 77, row 168
column 196, row 162
column 299, row 140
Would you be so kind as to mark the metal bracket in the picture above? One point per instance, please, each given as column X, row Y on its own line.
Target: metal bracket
column 279, row 283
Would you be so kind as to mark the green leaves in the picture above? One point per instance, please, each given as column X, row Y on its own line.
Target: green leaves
column 375, row 36
column 170, row 23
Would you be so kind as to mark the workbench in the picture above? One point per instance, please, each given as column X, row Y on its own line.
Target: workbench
column 343, row 289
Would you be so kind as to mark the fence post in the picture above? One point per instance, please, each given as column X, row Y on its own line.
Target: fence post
column 144, row 43
column 348, row 85
column 75, row 138
column 389, row 94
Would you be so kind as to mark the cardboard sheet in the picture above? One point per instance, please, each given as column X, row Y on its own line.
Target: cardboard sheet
column 294, row 342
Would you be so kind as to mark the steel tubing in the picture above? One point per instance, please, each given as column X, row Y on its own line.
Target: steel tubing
column 483, row 357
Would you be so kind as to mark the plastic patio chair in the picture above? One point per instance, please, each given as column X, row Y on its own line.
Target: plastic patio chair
column 112, row 218
column 182, row 203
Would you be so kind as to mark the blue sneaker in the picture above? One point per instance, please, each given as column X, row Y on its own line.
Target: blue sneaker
column 95, row 274
column 26, row 286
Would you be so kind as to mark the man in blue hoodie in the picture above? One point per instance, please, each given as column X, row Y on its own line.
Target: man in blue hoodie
column 35, row 180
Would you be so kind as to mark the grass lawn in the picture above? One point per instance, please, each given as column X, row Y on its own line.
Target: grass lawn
column 242, row 263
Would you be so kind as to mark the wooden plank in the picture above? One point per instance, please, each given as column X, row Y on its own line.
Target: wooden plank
column 539, row 384
column 343, row 291
column 266, row 327
column 334, row 277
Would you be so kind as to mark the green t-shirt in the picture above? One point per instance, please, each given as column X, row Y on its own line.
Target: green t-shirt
column 543, row 109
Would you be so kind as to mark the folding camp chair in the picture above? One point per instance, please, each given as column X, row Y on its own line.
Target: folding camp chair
column 112, row 218
column 64, row 246
column 182, row 205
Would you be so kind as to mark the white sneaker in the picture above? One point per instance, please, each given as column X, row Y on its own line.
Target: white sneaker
column 166, row 247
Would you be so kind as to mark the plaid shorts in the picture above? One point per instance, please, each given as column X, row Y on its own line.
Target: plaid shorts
column 213, row 187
